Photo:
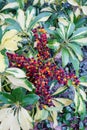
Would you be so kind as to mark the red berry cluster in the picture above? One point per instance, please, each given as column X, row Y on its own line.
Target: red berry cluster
column 41, row 73
column 41, row 40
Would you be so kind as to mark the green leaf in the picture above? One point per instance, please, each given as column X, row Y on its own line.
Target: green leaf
column 0, row 34
column 54, row 44
column 52, row 84
column 75, row 63
column 21, row 18
column 82, row 108
column 76, row 100
column 54, row 118
column 20, row 83
column 10, row 97
column 18, row 73
column 42, row 17
column 58, row 105
column 17, row 94
column 21, row 3
column 40, row 114
column 80, row 41
column 65, row 57
column 77, row 50
column 83, row 84
column 13, row 24
column 69, row 82
column 3, row 99
column 73, row 2
column 60, row 90
column 35, row 2
column 60, row 33
column 30, row 14
column 79, row 32
column 64, row 101
column 83, row 94
column 30, row 99
column 70, row 29
column 3, row 62
column 10, row 5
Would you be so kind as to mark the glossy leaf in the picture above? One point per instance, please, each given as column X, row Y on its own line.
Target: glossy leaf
column 77, row 50
column 73, row 2
column 83, row 94
column 60, row 90
column 65, row 57
column 30, row 99
column 42, row 17
column 20, row 83
column 70, row 29
column 25, row 120
column 10, row 6
column 21, row 18
column 64, row 101
column 13, row 24
column 79, row 32
column 18, row 73
column 54, row 45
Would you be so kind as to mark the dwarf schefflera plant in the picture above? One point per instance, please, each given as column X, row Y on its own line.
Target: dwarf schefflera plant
column 27, row 93
column 30, row 79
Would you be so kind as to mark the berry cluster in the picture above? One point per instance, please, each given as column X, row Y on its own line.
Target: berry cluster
column 41, row 41
column 41, row 73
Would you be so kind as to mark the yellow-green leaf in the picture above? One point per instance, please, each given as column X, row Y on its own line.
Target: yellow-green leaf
column 64, row 101
column 58, row 105
column 54, row 118
column 73, row 2
column 3, row 63
column 18, row 73
column 83, row 84
column 10, row 40
column 19, row 83
column 84, row 9
column 59, row 90
column 40, row 114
